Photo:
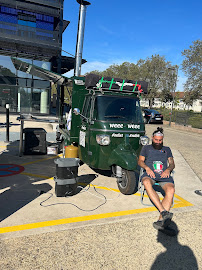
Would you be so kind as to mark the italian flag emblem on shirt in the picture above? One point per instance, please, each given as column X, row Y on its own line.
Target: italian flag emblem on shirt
column 158, row 166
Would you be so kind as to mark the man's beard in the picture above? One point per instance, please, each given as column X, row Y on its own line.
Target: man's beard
column 157, row 146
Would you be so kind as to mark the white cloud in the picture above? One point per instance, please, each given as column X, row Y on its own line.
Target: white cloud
column 95, row 65
column 89, row 66
column 107, row 30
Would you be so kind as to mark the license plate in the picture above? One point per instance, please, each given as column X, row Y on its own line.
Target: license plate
column 158, row 118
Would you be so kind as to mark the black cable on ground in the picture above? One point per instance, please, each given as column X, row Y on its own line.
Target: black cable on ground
column 85, row 210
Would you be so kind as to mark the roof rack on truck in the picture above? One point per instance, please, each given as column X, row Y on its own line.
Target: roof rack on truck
column 96, row 82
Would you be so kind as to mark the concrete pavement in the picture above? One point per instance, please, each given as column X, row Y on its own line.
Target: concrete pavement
column 117, row 235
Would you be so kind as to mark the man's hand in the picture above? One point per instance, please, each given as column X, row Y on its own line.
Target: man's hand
column 165, row 174
column 145, row 167
column 171, row 166
column 150, row 172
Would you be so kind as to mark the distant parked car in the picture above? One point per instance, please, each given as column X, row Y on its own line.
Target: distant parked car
column 152, row 116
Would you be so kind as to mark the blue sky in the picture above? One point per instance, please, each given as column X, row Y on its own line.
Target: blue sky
column 118, row 31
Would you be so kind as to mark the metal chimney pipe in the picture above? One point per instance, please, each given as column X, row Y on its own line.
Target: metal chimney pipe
column 80, row 36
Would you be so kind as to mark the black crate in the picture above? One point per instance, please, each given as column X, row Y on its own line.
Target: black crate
column 35, row 141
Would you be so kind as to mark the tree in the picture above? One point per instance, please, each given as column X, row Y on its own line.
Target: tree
column 161, row 75
column 125, row 71
column 189, row 97
column 191, row 66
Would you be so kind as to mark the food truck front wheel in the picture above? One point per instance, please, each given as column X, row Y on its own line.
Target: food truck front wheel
column 127, row 184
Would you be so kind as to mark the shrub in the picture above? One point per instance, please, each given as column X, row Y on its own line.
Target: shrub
column 182, row 117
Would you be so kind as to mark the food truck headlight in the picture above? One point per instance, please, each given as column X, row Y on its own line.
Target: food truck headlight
column 103, row 139
column 144, row 140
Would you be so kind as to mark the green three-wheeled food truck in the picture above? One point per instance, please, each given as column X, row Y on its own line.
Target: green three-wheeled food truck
column 107, row 126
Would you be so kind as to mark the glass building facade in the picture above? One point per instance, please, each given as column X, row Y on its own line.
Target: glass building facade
column 25, row 93
column 30, row 31
column 19, row 23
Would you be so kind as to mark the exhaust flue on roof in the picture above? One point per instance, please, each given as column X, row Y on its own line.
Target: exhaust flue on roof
column 80, row 36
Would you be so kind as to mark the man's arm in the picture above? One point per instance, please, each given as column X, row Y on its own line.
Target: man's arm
column 171, row 166
column 141, row 163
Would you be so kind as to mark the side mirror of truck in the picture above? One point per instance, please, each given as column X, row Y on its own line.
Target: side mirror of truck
column 76, row 111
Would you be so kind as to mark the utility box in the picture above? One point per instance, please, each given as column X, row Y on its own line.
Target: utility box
column 66, row 176
column 35, row 141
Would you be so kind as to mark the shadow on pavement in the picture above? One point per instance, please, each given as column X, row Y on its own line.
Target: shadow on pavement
column 176, row 256
column 18, row 190
column 84, row 180
column 109, row 173
column 4, row 125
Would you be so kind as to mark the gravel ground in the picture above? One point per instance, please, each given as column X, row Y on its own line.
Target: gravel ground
column 127, row 245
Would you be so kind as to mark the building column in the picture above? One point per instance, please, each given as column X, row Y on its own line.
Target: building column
column 18, row 101
column 44, row 101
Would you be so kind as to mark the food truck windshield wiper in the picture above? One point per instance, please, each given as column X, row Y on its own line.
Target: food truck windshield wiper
column 114, row 116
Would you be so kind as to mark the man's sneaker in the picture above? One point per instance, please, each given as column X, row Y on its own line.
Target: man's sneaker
column 162, row 224
column 165, row 214
column 158, row 225
column 166, row 218
column 166, row 230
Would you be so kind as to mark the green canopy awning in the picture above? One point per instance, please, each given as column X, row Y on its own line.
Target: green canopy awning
column 38, row 71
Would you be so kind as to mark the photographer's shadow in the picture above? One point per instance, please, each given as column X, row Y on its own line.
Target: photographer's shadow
column 176, row 256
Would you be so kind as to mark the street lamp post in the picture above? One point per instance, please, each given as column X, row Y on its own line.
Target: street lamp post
column 174, row 73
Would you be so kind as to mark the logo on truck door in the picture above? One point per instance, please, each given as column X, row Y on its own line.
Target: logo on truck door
column 133, row 126
column 116, row 125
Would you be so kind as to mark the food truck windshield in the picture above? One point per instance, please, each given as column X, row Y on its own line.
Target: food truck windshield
column 116, row 108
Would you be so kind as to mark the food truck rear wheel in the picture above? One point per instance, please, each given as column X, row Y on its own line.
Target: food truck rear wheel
column 127, row 183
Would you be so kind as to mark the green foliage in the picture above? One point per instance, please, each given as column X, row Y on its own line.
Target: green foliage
column 161, row 75
column 192, row 66
column 195, row 120
column 182, row 117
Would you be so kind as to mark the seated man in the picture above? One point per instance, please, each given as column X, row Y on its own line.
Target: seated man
column 154, row 159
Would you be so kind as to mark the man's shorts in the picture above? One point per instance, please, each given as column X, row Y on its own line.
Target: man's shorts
column 161, row 181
